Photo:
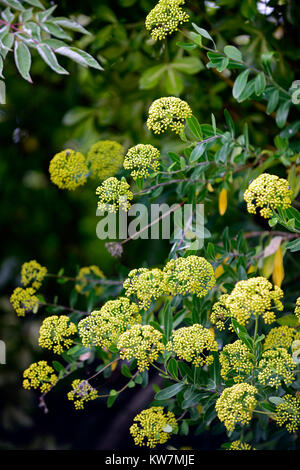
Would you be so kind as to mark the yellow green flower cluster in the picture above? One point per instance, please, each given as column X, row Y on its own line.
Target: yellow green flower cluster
column 39, row 375
column 254, row 297
column 24, row 301
column 239, row 445
column 114, row 195
column 276, row 365
column 82, row 392
column 190, row 275
column 103, row 327
column 194, row 344
column 68, row 169
column 288, row 413
column 235, row 360
column 236, row 404
column 297, row 309
column 105, row 158
column 220, row 312
column 141, row 342
column 153, row 426
column 57, row 333
column 145, row 285
column 84, row 277
column 141, row 159
column 33, row 273
column 281, row 337
column 165, row 18
column 266, row 194
column 168, row 112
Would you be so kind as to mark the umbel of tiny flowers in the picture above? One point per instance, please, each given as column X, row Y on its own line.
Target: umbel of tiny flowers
column 39, row 375
column 105, row 159
column 190, row 275
column 57, row 333
column 236, row 362
column 24, row 301
column 236, row 404
column 168, row 112
column 114, row 195
column 239, row 445
column 145, row 285
column 103, row 327
column 33, row 273
column 276, row 365
column 142, row 159
column 266, row 194
column 220, row 313
column 82, row 393
column 287, row 413
column 254, row 297
column 153, row 426
column 297, row 309
column 68, row 169
column 165, row 18
column 281, row 337
column 85, row 274
column 141, row 342
column 194, row 344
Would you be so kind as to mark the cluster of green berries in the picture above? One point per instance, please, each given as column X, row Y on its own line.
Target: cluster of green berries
column 153, row 426
column 165, row 18
column 266, row 194
column 142, row 159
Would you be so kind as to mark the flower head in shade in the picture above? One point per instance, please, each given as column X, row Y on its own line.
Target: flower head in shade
column 105, row 158
column 24, row 301
column 288, row 413
column 281, row 337
column 165, row 18
column 89, row 275
column 33, row 273
column 142, row 159
column 239, row 445
column 169, row 112
column 57, row 333
column 190, row 275
column 153, row 426
column 145, row 285
column 254, row 297
column 236, row 404
column 194, row 344
column 68, row 169
column 276, row 365
column 103, row 327
column 266, row 194
column 81, row 393
column 39, row 375
column 141, row 342
column 236, row 362
column 114, row 195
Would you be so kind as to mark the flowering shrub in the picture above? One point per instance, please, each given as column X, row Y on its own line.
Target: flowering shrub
column 215, row 324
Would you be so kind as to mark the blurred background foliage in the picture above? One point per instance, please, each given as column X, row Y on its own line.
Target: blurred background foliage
column 58, row 228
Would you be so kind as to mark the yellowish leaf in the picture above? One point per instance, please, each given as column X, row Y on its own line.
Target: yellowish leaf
column 278, row 271
column 210, row 188
column 223, row 201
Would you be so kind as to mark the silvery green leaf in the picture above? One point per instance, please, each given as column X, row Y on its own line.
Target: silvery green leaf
column 7, row 15
column 26, row 39
column 79, row 56
column 23, row 60
column 55, row 30
column 35, row 3
column 6, row 44
column 72, row 25
column 1, row 67
column 2, row 92
column 55, row 43
column 44, row 15
column 49, row 57
column 14, row 4
column 33, row 30
column 3, row 31
column 26, row 15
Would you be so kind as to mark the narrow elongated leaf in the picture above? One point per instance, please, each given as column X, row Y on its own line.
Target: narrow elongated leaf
column 240, row 83
column 2, row 92
column 223, row 201
column 260, row 83
column 169, row 392
column 50, row 58
column 188, row 65
column 7, row 15
column 23, row 60
column 282, row 113
column 294, row 245
column 203, row 32
column 233, row 53
column 273, row 101
column 35, row 3
column 55, row 30
column 14, row 4
column 72, row 25
column 195, row 127
column 79, row 56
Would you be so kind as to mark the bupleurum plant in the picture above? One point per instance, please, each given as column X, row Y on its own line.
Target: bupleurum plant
column 141, row 159
column 105, row 159
column 153, row 426
column 165, row 18
column 169, row 112
column 68, row 169
column 114, row 195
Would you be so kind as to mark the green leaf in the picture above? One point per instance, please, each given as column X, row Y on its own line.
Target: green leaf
column 229, row 122
column 260, row 83
column 126, row 371
column 273, row 101
column 35, row 3
column 168, row 321
column 242, row 334
column 203, row 32
column 23, row 60
column 288, row 320
column 172, row 368
column 50, row 58
column 151, row 77
column 58, row 366
column 276, row 400
column 2, row 92
column 14, row 4
column 55, row 30
column 169, row 392
column 75, row 115
column 79, row 56
column 240, row 83
column 189, row 65
column 217, row 61
column 233, row 53
column 197, row 152
column 282, row 113
column 173, row 83
column 194, row 127
column 6, row 44
column 294, row 245
column 72, row 25
column 247, row 92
